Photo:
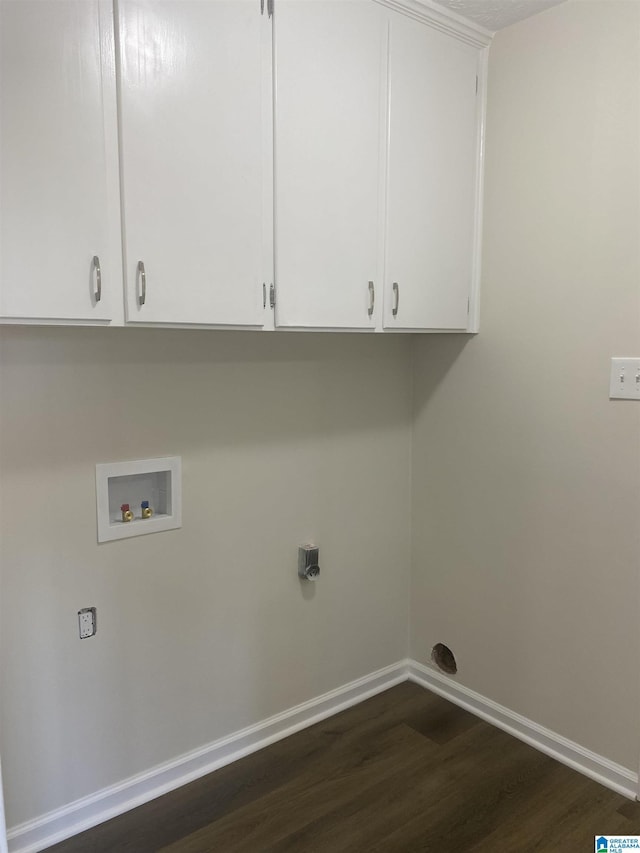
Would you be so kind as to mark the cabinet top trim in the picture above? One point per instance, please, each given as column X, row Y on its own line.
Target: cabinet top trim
column 442, row 19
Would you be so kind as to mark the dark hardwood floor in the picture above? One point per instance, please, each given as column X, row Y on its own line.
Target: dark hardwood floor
column 405, row 771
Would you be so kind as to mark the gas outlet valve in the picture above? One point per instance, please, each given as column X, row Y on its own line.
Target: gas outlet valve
column 308, row 567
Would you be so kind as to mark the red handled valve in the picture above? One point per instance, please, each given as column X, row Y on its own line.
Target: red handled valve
column 127, row 515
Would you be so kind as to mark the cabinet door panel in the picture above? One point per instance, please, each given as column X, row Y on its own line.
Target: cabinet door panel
column 329, row 101
column 432, row 169
column 58, row 162
column 193, row 159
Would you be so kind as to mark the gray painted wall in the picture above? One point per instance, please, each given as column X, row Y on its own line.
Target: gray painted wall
column 284, row 439
column 526, row 478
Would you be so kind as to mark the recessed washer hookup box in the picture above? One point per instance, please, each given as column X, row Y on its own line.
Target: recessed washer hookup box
column 139, row 497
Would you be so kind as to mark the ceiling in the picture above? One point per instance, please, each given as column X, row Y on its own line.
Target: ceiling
column 496, row 14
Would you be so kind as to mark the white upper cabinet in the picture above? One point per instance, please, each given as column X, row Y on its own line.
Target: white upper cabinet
column 331, row 147
column 329, row 65
column 59, row 217
column 432, row 172
column 377, row 153
column 196, row 149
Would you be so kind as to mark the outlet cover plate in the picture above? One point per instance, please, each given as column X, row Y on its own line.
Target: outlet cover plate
column 625, row 379
column 87, row 622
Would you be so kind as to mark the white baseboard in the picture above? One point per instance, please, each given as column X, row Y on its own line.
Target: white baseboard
column 595, row 766
column 49, row 829
column 55, row 826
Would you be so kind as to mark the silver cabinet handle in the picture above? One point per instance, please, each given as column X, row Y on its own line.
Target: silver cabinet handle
column 372, row 298
column 143, row 283
column 396, row 298
column 97, row 294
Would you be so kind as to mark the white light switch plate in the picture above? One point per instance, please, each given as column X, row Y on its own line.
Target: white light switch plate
column 625, row 379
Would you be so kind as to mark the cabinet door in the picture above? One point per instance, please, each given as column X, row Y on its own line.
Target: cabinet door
column 194, row 81
column 329, row 105
column 432, row 170
column 58, row 163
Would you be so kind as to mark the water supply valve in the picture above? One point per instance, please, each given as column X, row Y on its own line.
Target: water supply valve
column 308, row 567
column 127, row 515
column 146, row 510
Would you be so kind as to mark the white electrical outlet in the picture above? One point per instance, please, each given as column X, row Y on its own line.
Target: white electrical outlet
column 87, row 622
column 625, row 379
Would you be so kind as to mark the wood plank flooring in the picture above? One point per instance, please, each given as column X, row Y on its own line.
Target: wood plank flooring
column 405, row 771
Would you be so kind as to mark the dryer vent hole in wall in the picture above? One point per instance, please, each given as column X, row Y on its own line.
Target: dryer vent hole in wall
column 444, row 658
